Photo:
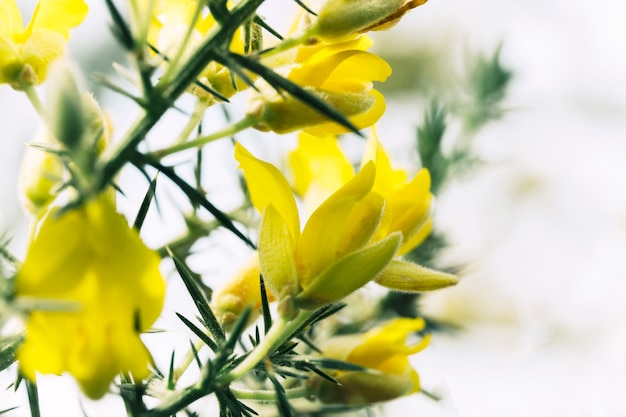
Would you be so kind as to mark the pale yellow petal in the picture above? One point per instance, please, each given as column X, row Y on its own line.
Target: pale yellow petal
column 267, row 185
column 277, row 254
column 10, row 19
column 320, row 238
column 318, row 162
column 349, row 273
column 387, row 178
column 59, row 16
column 361, row 224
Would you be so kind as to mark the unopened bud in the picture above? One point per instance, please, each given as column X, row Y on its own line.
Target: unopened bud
column 66, row 115
column 410, row 277
column 284, row 113
column 340, row 18
column 41, row 174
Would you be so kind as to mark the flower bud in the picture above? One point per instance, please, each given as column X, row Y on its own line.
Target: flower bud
column 341, row 18
column 66, row 118
column 242, row 291
column 41, row 173
column 406, row 276
column 284, row 113
column 385, row 352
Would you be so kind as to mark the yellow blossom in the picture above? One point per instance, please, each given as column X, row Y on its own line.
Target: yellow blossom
column 25, row 53
column 340, row 74
column 385, row 352
column 242, row 291
column 316, row 162
column 334, row 254
column 107, row 289
column 320, row 168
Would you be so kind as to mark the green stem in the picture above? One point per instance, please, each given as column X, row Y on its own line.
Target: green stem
column 228, row 131
column 287, row 44
column 187, row 360
column 280, row 332
column 115, row 157
column 34, row 99
column 173, row 62
column 267, row 395
column 194, row 120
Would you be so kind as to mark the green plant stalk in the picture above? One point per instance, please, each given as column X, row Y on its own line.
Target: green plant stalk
column 36, row 102
column 279, row 333
column 267, row 395
column 187, row 360
column 196, row 118
column 228, row 131
column 114, row 158
column 173, row 63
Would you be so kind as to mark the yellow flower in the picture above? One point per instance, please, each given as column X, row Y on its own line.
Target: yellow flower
column 341, row 74
column 110, row 290
column 320, row 168
column 385, row 352
column 26, row 53
column 334, row 255
column 242, row 291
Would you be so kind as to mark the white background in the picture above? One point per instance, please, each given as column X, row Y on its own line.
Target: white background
column 541, row 228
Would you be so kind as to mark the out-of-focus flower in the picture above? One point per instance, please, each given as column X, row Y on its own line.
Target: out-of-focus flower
column 341, row 74
column 343, row 18
column 108, row 286
column 242, row 291
column 334, row 255
column 169, row 28
column 41, row 174
column 385, row 352
column 26, row 53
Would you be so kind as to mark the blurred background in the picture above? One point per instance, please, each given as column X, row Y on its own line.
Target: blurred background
column 539, row 227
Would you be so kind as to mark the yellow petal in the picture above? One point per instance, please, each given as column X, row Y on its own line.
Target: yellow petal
column 387, row 178
column 10, row 19
column 90, row 257
column 277, row 254
column 370, row 108
column 361, row 224
column 267, row 185
column 418, row 236
column 349, row 274
column 352, row 65
column 407, row 276
column 57, row 16
column 319, row 166
column 385, row 341
column 10, row 65
column 320, row 238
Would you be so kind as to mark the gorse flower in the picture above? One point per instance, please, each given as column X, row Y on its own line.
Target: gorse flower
column 334, row 255
column 105, row 288
column 26, row 53
column 320, row 168
column 385, row 352
column 341, row 74
column 316, row 163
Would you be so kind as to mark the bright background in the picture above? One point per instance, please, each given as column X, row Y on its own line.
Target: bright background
column 541, row 227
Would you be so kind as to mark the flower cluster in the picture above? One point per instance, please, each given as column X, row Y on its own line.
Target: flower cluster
column 88, row 286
